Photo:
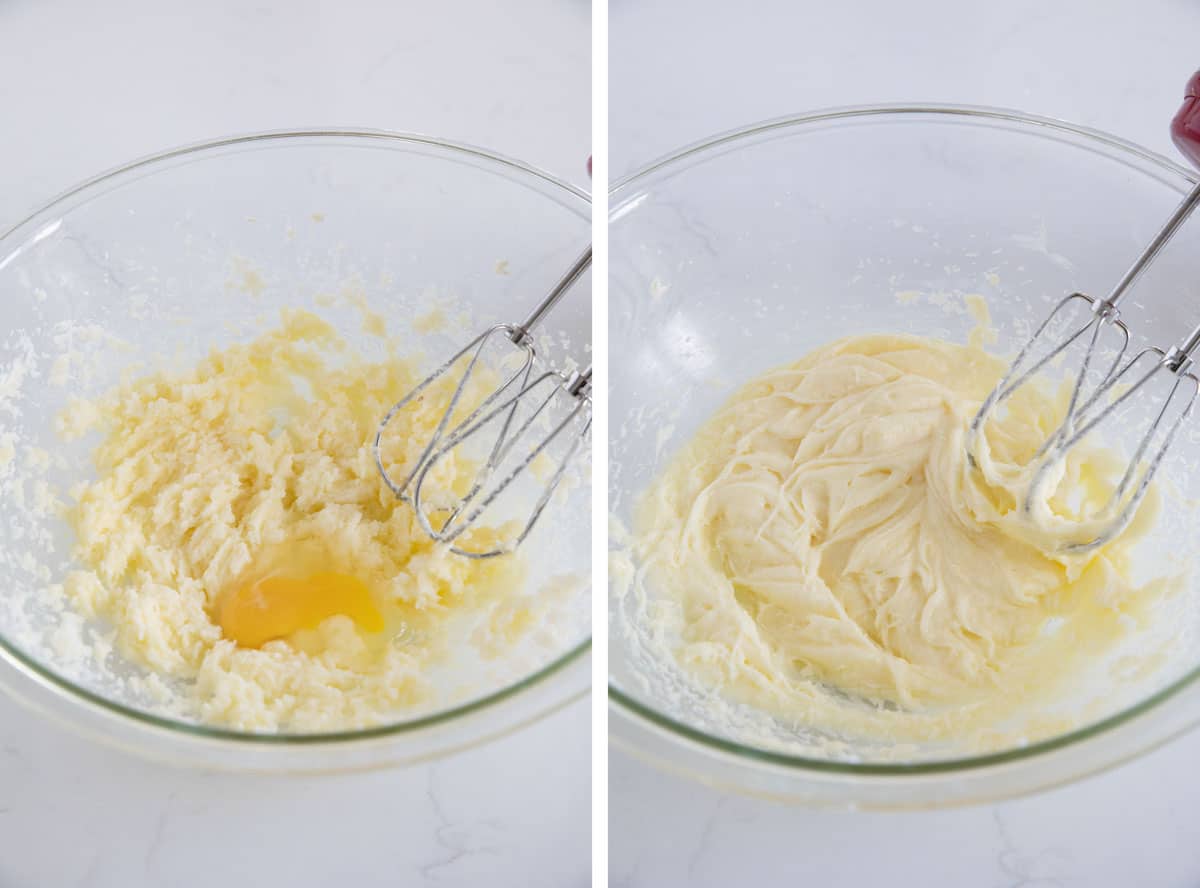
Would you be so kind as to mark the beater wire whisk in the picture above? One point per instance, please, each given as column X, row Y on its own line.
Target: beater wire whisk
column 542, row 390
column 494, row 414
column 1099, row 397
column 1106, row 405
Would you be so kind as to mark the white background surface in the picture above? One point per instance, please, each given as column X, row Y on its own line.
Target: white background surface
column 86, row 86
column 682, row 71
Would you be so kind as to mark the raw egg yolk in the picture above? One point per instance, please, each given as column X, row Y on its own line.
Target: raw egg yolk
column 277, row 606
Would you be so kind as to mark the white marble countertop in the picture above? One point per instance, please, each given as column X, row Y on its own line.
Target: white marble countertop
column 515, row 812
column 86, row 86
column 680, row 72
column 1134, row 826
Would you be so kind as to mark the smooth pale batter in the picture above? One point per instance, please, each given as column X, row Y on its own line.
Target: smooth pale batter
column 240, row 541
column 826, row 553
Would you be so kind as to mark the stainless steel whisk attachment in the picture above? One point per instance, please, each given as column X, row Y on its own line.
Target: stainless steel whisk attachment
column 511, row 426
column 1105, row 405
column 1099, row 394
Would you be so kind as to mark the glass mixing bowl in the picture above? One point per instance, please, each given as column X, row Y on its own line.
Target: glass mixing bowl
column 199, row 247
column 747, row 251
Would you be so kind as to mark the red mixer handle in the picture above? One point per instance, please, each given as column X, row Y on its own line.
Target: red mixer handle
column 1185, row 128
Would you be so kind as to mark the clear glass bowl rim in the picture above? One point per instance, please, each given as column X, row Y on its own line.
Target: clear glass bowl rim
column 1112, row 147
column 47, row 677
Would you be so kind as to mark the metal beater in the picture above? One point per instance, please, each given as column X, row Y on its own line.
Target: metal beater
column 514, row 411
column 1092, row 403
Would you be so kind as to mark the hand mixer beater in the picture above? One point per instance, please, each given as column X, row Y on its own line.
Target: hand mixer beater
column 1099, row 393
column 511, row 426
